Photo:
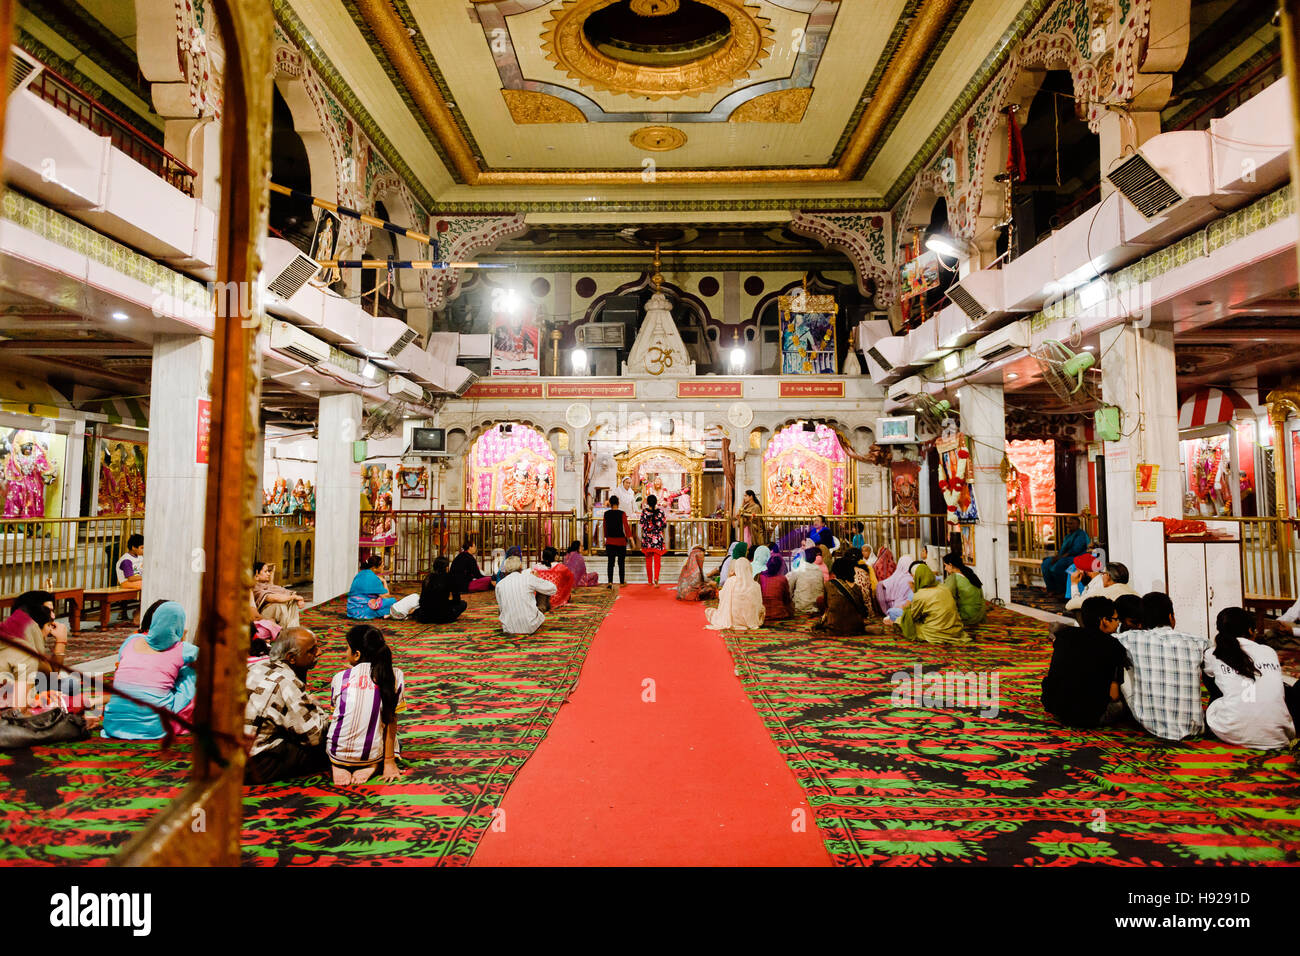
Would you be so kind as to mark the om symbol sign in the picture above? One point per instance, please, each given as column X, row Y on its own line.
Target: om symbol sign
column 658, row 360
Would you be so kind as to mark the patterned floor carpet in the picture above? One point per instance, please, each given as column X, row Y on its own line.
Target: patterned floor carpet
column 896, row 782
column 91, row 645
column 1037, row 597
column 478, row 704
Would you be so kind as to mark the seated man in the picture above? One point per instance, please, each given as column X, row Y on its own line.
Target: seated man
column 274, row 602
column 285, row 722
column 807, row 586
column 1081, row 688
column 1129, row 608
column 1111, row 583
column 1057, row 566
column 516, row 596
column 1162, row 685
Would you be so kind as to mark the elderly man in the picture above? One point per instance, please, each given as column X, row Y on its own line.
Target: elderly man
column 1057, row 566
column 516, row 597
column 1111, row 583
column 273, row 602
column 286, row 723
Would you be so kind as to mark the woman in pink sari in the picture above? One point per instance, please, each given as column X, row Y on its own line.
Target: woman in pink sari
column 692, row 583
column 582, row 578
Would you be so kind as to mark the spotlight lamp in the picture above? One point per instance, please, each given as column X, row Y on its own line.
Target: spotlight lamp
column 946, row 245
column 578, row 359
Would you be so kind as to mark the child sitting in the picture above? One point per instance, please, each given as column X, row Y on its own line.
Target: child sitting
column 366, row 698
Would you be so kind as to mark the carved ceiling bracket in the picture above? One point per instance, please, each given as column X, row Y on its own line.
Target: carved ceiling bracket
column 460, row 238
column 866, row 238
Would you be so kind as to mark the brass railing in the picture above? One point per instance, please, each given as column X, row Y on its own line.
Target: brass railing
column 63, row 552
column 1035, row 535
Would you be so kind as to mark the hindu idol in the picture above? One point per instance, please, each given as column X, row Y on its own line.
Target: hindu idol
column 26, row 471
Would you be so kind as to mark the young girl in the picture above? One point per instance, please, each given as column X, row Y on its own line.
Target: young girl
column 1251, row 705
column 653, row 524
column 366, row 698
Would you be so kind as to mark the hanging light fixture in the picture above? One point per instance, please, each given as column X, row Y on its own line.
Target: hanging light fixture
column 737, row 353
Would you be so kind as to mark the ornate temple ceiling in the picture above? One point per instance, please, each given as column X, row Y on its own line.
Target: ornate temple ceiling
column 529, row 101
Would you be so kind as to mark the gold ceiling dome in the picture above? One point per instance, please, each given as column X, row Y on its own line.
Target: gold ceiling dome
column 695, row 47
column 653, row 8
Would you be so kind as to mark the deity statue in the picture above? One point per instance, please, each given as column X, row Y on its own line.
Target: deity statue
column 26, row 471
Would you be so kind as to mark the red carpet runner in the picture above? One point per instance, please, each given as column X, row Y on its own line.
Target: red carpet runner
column 691, row 778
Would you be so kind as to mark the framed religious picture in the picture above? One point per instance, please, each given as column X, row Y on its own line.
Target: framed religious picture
column 413, row 481
column 515, row 337
column 807, row 333
column 324, row 242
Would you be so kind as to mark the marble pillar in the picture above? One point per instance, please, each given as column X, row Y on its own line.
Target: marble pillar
column 73, row 464
column 338, row 496
column 983, row 419
column 1138, row 375
column 175, row 484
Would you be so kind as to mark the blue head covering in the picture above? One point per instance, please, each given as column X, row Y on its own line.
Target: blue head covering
column 761, row 554
column 167, row 626
column 515, row 551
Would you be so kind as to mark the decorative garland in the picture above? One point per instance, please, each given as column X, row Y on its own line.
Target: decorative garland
column 952, row 484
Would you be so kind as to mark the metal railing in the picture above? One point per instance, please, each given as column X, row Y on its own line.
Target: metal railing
column 51, row 553
column 99, row 119
column 1035, row 535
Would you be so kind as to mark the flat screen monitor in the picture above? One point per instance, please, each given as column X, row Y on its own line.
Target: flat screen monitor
column 429, row 441
column 899, row 430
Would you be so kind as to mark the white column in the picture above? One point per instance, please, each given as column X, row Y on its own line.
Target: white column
column 338, row 496
column 1138, row 375
column 74, row 460
column 983, row 419
column 175, row 484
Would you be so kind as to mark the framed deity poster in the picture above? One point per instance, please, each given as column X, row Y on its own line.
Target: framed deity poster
column 120, row 476
column 515, row 337
column 413, row 481
column 31, row 470
column 807, row 333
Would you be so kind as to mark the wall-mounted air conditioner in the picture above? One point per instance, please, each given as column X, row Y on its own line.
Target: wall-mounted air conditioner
column 981, row 298
column 292, row 340
column 907, row 389
column 399, row 387
column 1012, row 338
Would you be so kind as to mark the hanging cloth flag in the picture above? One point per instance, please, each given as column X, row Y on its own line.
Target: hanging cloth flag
column 390, row 280
column 1015, row 150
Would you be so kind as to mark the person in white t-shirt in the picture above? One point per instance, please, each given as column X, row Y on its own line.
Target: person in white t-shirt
column 366, row 697
column 1252, row 706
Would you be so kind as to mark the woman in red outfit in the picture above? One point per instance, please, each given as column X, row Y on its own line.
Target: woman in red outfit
column 653, row 524
column 777, row 603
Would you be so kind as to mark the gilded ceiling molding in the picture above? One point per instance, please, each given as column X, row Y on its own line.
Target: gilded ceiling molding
column 867, row 241
column 460, row 239
column 658, row 139
column 529, row 108
column 567, row 46
column 779, row 106
column 396, row 43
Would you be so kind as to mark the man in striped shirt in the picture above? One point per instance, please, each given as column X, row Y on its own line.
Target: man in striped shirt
column 516, row 596
column 1162, row 684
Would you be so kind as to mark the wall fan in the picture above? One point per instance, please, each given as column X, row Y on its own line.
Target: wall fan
column 1066, row 372
column 384, row 420
column 933, row 412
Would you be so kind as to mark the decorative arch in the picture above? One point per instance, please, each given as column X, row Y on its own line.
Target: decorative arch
column 867, row 240
column 510, row 471
column 460, row 238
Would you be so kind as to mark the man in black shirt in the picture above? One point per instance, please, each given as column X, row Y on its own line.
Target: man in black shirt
column 1081, row 688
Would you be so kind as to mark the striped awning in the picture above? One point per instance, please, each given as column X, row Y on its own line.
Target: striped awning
column 119, row 411
column 1209, row 406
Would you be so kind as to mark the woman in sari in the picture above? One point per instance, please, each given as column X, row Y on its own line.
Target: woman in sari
column 966, row 589
column 751, row 527
column 759, row 559
column 894, row 589
column 740, row 603
column 931, row 615
column 737, row 550
column 692, row 583
column 864, row 576
column 847, row 612
column 582, row 578
column 368, row 596
column 885, row 564
column 777, row 603
column 156, row 667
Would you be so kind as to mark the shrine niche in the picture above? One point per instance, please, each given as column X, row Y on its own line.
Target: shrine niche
column 510, row 467
column 807, row 472
column 672, row 476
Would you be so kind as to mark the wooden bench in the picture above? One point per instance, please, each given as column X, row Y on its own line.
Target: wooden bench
column 74, row 596
column 107, row 597
column 1261, row 605
column 1025, row 569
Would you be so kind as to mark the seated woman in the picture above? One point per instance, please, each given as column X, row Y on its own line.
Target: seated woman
column 156, row 667
column 558, row 574
column 931, row 615
column 966, row 589
column 1251, row 704
column 512, row 552
column 737, row 550
column 740, row 603
column 366, row 698
column 368, row 596
column 440, row 602
column 777, row 603
column 895, row 588
column 466, row 578
column 848, row 612
column 582, row 578
column 758, row 560
column 823, row 562
column 692, row 583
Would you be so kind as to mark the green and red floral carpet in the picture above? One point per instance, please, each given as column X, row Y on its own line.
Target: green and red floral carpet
column 896, row 782
column 478, row 704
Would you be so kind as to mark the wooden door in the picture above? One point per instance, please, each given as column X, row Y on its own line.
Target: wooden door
column 1187, row 586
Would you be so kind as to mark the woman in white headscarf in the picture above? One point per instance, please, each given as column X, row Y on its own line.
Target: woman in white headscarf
column 740, row 605
column 759, row 563
column 896, row 590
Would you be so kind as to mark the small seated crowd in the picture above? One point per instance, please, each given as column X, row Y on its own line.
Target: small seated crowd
column 1125, row 661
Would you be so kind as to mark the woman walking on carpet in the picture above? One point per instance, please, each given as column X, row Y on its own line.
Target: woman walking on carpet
column 653, row 524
